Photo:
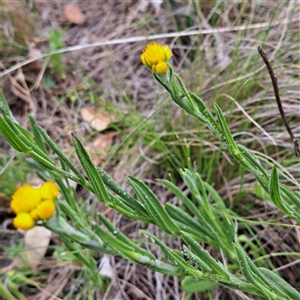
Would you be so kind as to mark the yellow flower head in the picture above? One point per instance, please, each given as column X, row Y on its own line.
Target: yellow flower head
column 44, row 210
column 24, row 221
column 155, row 57
column 48, row 190
column 31, row 204
column 25, row 199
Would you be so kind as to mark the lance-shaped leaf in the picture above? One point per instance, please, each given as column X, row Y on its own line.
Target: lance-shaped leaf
column 75, row 216
column 293, row 196
column 60, row 154
column 192, row 286
column 189, row 204
column 91, row 171
column 4, row 108
column 254, row 276
column 6, row 292
column 36, row 134
column 120, row 236
column 134, row 253
column 205, row 257
column 119, row 205
column 254, row 162
column 205, row 113
column 77, row 251
column 228, row 139
column 293, row 293
column 185, row 267
column 274, row 191
column 196, row 260
column 60, row 226
column 215, row 196
column 153, row 207
column 27, row 140
column 11, row 137
column 179, row 215
column 126, row 198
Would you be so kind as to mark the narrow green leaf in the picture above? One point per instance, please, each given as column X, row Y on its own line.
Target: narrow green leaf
column 126, row 250
column 252, row 274
column 293, row 196
column 191, row 285
column 91, row 171
column 68, row 193
column 119, row 205
column 120, row 236
column 153, row 206
column 73, row 215
column 216, row 197
column 27, row 140
column 127, row 199
column 274, row 288
column 76, row 251
column 196, row 260
column 4, row 108
column 256, row 166
column 10, row 136
column 189, row 180
column 228, row 139
column 174, row 257
column 293, row 293
column 274, row 191
column 196, row 234
column 260, row 192
column 60, row 226
column 37, row 136
column 60, row 154
column 206, row 114
column 5, row 293
column 204, row 256
column 178, row 214
column 189, row 204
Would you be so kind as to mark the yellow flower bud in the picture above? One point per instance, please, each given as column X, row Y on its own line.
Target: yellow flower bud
column 155, row 57
column 25, row 199
column 161, row 67
column 44, row 210
column 24, row 221
column 48, row 190
column 31, row 204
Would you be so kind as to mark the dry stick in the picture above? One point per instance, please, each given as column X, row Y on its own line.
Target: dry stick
column 277, row 97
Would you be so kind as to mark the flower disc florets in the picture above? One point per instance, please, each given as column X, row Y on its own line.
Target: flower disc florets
column 155, row 57
column 31, row 204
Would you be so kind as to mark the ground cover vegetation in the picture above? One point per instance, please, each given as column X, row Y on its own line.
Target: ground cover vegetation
column 181, row 173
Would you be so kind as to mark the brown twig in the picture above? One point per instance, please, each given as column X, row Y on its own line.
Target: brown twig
column 277, row 97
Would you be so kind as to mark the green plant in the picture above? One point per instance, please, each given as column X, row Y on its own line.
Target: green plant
column 205, row 221
column 55, row 43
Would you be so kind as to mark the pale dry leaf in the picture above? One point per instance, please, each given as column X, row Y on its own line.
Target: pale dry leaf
column 74, row 14
column 98, row 120
column 36, row 241
column 105, row 267
column 103, row 141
